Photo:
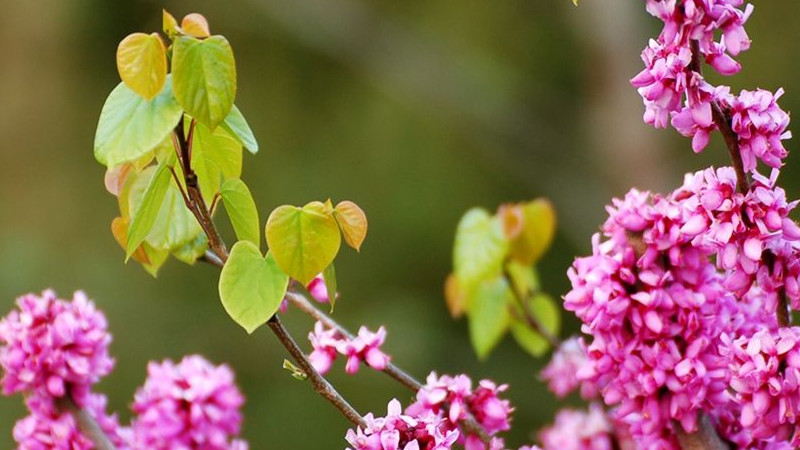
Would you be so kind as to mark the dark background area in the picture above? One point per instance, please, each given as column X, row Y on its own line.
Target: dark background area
column 416, row 110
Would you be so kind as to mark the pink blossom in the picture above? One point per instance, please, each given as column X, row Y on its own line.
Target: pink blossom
column 397, row 431
column 53, row 348
column 189, row 405
column 570, row 368
column 761, row 125
column 324, row 343
column 364, row 347
column 579, row 430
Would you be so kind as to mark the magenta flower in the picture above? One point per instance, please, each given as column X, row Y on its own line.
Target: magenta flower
column 324, row 343
column 570, row 368
column 398, row 431
column 766, row 382
column 761, row 126
column 189, row 405
column 364, row 347
column 579, row 430
column 53, row 348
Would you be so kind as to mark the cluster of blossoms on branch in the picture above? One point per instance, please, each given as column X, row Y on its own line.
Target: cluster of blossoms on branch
column 53, row 352
column 684, row 298
column 435, row 420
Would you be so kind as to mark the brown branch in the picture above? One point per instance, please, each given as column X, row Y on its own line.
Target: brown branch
column 319, row 383
column 705, row 438
column 304, row 305
column 218, row 255
column 470, row 424
column 722, row 120
column 86, row 423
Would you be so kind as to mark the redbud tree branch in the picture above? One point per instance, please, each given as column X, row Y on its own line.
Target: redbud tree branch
column 722, row 120
column 86, row 423
column 219, row 255
column 471, row 426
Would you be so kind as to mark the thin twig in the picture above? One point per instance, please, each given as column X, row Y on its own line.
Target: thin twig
column 320, row 384
column 470, row 424
column 218, row 255
column 533, row 322
column 722, row 120
column 705, row 438
column 86, row 423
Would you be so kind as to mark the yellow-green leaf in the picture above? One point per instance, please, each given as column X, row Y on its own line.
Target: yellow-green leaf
column 196, row 25
column 489, row 315
column 142, row 63
column 237, row 126
column 204, row 73
column 169, row 25
column 216, row 157
column 353, row 223
column 146, row 212
column 241, row 210
column 251, row 286
column 329, row 277
column 303, row 240
column 547, row 314
column 538, row 229
column 480, row 248
column 131, row 126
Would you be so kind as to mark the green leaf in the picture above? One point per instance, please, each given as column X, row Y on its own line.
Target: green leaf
column 142, row 63
column 524, row 279
column 242, row 210
column 251, row 287
column 304, row 240
column 480, row 247
column 216, row 156
column 489, row 315
column 144, row 215
column 353, row 223
column 191, row 251
column 536, row 235
column 329, row 276
column 174, row 225
column 130, row 126
column 237, row 126
column 205, row 77
column 547, row 314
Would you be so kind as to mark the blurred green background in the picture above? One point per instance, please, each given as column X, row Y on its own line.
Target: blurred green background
column 417, row 110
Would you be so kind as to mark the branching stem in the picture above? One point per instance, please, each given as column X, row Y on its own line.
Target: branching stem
column 86, row 423
column 722, row 120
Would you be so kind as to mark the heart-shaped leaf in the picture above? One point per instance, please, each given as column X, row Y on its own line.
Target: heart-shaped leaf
column 479, row 249
column 547, row 314
column 216, row 156
column 130, row 125
column 196, row 25
column 251, row 286
column 353, row 223
column 303, row 240
column 489, row 315
column 142, row 63
column 536, row 235
column 204, row 73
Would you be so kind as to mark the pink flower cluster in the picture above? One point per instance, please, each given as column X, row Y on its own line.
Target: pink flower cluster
column 399, row 431
column 672, row 87
column 751, row 234
column 568, row 370
column 53, row 351
column 654, row 305
column 327, row 343
column 766, row 382
column 433, row 421
column 189, row 405
column 53, row 348
column 579, row 430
